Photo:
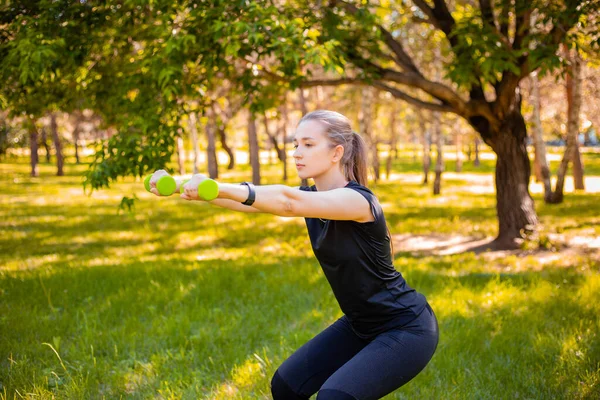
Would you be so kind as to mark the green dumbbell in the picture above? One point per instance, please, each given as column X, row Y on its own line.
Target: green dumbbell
column 165, row 185
column 208, row 189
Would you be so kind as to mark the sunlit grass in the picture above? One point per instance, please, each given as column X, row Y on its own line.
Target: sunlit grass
column 185, row 300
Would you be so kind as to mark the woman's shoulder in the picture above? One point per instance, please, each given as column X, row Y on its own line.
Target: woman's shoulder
column 357, row 186
column 371, row 198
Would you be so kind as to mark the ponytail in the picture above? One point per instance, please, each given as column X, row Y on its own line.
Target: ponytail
column 359, row 171
column 356, row 168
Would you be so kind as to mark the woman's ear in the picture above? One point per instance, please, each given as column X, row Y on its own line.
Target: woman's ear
column 338, row 153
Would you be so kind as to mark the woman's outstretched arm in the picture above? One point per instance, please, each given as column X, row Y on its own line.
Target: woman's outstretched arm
column 234, row 205
column 286, row 201
column 270, row 199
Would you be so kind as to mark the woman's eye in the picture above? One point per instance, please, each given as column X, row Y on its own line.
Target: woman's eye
column 295, row 146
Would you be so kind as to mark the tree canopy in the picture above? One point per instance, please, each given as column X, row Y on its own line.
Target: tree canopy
column 140, row 64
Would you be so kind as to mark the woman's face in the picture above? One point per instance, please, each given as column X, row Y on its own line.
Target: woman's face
column 314, row 155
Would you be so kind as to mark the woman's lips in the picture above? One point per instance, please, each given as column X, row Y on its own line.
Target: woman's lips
column 299, row 165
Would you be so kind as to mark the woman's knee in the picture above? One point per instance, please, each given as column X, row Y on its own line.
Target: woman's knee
column 282, row 391
column 332, row 394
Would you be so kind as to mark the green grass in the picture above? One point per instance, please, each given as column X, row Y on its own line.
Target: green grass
column 185, row 300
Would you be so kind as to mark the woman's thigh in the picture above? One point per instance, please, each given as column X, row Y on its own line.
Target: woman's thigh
column 311, row 365
column 391, row 360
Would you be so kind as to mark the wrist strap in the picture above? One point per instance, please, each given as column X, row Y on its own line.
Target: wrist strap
column 252, row 194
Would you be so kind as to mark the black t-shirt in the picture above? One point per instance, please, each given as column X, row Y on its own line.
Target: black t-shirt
column 357, row 261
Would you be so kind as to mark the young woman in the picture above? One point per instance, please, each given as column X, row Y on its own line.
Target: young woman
column 388, row 332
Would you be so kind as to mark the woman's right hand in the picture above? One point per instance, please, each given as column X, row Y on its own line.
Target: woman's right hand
column 155, row 176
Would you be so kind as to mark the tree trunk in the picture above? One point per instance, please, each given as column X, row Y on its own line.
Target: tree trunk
column 516, row 212
column 375, row 161
column 393, row 138
column 224, row 115
column 415, row 143
column 426, row 142
column 76, row 142
column 225, row 146
column 586, row 136
column 319, row 96
column 439, row 143
column 78, row 118
column 180, row 152
column 272, row 138
column 458, row 144
column 304, row 109
column 57, row 145
column 194, row 133
column 439, row 138
column 573, row 106
column 284, row 125
column 578, row 171
column 254, row 153
column 45, row 144
column 33, row 143
column 476, row 162
column 575, row 102
column 537, row 128
column 540, row 162
column 469, row 152
column 302, row 98
column 211, row 149
column 365, row 121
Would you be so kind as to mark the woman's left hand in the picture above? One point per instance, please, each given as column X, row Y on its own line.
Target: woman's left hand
column 190, row 189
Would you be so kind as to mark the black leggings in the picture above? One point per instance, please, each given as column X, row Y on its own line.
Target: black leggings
column 341, row 366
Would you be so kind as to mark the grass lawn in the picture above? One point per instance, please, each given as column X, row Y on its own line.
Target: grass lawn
column 186, row 300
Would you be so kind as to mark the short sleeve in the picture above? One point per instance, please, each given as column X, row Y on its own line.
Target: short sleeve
column 307, row 188
column 376, row 209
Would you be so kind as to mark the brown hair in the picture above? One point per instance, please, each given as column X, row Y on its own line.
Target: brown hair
column 354, row 161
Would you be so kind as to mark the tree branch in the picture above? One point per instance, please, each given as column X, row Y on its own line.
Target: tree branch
column 506, row 87
column 420, row 20
column 402, row 58
column 411, row 100
column 504, row 18
column 445, row 19
column 437, row 90
column 487, row 12
column 378, row 84
column 441, row 18
column 522, row 26
column 330, row 82
column 423, row 6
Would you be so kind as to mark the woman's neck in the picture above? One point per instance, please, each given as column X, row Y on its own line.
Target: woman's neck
column 333, row 180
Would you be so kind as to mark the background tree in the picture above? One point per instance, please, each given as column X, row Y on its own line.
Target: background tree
column 490, row 47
